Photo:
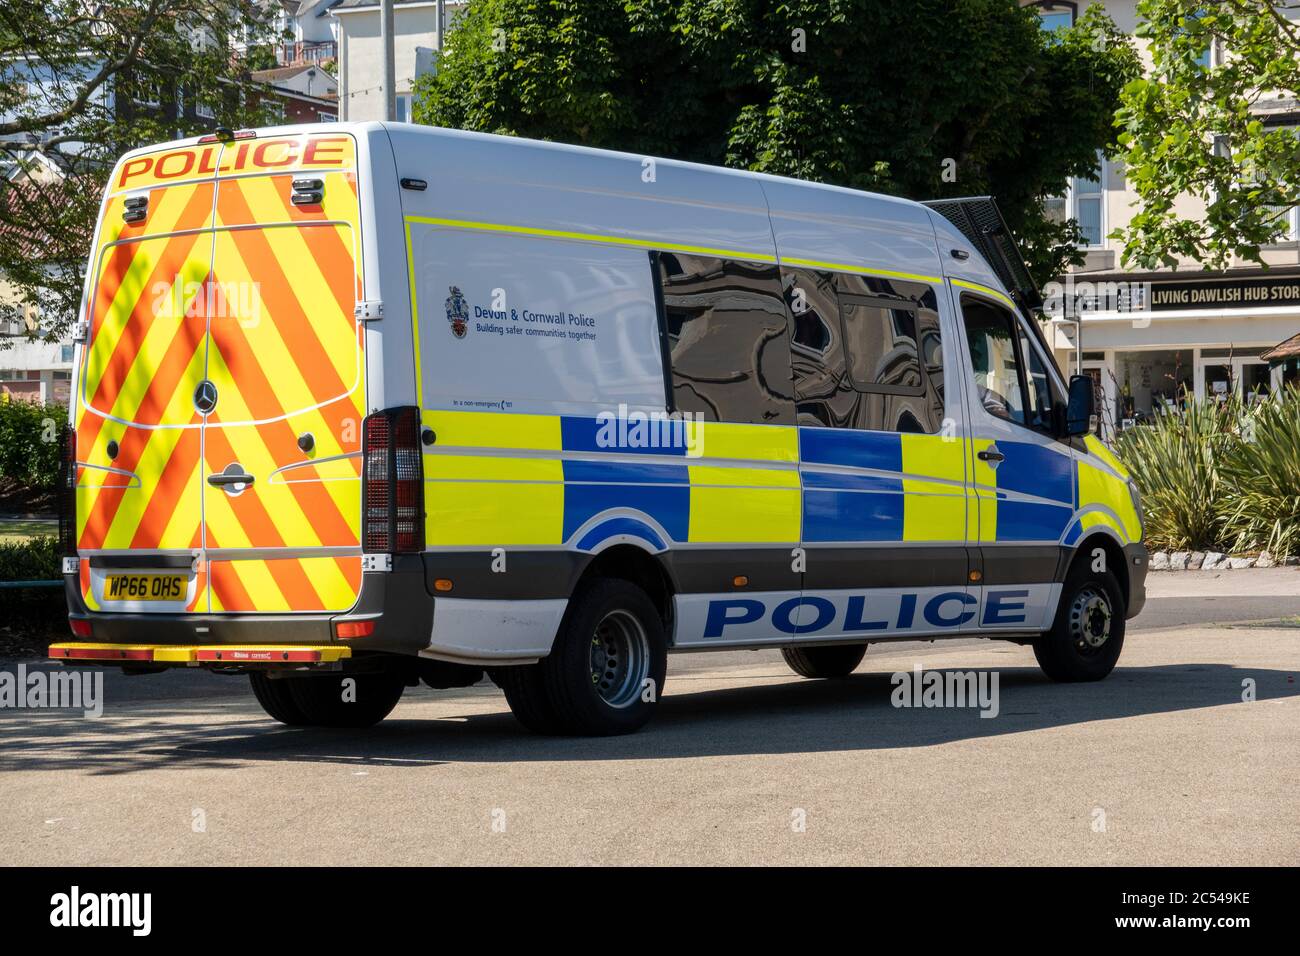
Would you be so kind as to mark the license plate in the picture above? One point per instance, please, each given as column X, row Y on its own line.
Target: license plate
column 145, row 587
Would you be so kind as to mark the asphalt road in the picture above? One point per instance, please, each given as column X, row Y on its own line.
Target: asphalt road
column 1162, row 763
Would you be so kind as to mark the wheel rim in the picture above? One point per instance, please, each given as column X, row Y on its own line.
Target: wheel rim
column 619, row 658
column 1090, row 621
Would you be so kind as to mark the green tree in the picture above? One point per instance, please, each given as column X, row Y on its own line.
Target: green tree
column 1192, row 129
column 76, row 81
column 925, row 99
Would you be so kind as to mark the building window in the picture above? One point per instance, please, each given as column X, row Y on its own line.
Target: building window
column 404, row 106
column 1288, row 217
column 1055, row 16
column 203, row 110
column 726, row 330
column 1084, row 202
column 148, row 92
column 326, row 117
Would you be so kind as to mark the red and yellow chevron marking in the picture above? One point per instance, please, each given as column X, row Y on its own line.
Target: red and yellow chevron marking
column 144, row 359
column 285, row 584
column 287, row 362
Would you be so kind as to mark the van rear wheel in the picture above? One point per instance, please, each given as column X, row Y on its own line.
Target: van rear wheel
column 838, row 660
column 276, row 699
column 327, row 702
column 606, row 671
column 1088, row 634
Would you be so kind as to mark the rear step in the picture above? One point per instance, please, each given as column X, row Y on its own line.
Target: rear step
column 199, row 653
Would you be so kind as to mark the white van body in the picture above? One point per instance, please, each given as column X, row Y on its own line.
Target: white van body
column 787, row 414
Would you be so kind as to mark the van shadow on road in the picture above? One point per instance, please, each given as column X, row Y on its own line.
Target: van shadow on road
column 789, row 717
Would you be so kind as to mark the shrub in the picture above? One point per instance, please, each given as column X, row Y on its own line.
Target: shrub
column 30, row 617
column 1176, row 463
column 36, row 559
column 30, row 442
column 1261, row 478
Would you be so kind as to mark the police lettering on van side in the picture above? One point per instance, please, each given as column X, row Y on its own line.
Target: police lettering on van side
column 875, row 612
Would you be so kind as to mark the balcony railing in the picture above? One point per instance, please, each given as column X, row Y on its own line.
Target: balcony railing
column 314, row 51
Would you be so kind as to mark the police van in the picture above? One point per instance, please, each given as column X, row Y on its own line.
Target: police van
column 360, row 405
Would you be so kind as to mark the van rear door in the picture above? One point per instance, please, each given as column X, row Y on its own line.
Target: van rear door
column 138, row 491
column 281, row 444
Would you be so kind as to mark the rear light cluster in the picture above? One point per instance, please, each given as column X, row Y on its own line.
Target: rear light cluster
column 393, row 483
column 68, row 494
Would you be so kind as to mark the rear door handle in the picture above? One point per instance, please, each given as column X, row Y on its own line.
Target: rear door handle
column 988, row 454
column 229, row 479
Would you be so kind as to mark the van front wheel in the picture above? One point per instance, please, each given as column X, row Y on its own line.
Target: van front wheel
column 606, row 671
column 837, row 660
column 1088, row 634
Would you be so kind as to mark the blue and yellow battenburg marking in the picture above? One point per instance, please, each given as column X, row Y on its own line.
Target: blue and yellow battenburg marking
column 547, row 480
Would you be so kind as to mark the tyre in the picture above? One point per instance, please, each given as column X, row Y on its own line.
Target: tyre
column 606, row 672
column 276, row 699
column 525, row 691
column 839, row 660
column 325, row 702
column 1088, row 634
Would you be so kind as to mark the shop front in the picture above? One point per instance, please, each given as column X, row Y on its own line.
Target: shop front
column 1153, row 341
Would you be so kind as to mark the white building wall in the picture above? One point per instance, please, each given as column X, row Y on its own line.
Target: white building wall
column 361, row 65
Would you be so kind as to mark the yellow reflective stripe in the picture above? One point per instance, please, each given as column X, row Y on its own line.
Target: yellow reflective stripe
column 494, row 430
column 744, row 505
column 491, row 468
column 752, row 442
column 934, row 456
column 933, row 510
column 1095, row 447
column 415, row 315
column 491, row 513
column 858, row 270
column 583, row 237
column 1098, row 487
column 976, row 287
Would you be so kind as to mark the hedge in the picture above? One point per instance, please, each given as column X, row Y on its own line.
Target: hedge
column 30, row 442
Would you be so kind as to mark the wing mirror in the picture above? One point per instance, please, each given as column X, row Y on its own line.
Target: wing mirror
column 1079, row 408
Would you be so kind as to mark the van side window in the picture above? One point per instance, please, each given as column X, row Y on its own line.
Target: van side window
column 990, row 334
column 866, row 352
column 1044, row 395
column 727, row 339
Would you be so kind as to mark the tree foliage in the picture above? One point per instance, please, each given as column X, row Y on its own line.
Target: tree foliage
column 77, row 81
column 924, row 99
column 1200, row 131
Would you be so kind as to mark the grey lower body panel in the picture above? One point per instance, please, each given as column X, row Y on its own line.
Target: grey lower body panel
column 398, row 602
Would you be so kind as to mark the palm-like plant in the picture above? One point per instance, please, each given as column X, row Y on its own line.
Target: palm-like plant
column 1261, row 479
column 1176, row 461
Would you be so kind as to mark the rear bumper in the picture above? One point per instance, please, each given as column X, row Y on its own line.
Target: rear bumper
column 214, row 654
column 397, row 602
